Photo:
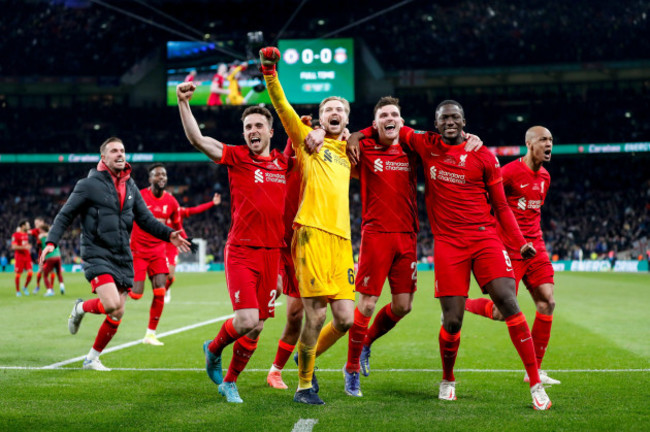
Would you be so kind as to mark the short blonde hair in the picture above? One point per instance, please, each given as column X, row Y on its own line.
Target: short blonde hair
column 346, row 104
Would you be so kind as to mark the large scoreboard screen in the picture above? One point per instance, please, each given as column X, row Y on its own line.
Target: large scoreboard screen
column 313, row 69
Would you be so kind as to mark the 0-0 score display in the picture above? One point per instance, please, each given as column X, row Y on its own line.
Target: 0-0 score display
column 312, row 70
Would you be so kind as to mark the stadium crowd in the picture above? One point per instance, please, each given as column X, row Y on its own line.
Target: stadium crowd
column 596, row 204
column 470, row 33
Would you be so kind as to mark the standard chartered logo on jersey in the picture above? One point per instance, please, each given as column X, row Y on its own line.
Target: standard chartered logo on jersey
column 521, row 204
column 379, row 166
column 259, row 176
column 434, row 173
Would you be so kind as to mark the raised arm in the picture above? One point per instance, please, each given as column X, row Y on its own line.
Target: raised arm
column 296, row 130
column 209, row 146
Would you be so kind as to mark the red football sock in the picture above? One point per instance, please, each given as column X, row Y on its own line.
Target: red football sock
column 523, row 342
column 242, row 352
column 283, row 354
column 29, row 278
column 449, row 344
column 105, row 333
column 541, row 334
column 48, row 281
column 480, row 306
column 384, row 321
column 356, row 337
column 225, row 337
column 135, row 296
column 169, row 282
column 94, row 306
column 17, row 280
column 38, row 278
column 157, row 305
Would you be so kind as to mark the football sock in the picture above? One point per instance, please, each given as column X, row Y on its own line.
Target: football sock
column 242, row 351
column 225, row 337
column 29, row 278
column 480, row 306
column 157, row 305
column 38, row 278
column 48, row 281
column 449, row 344
column 384, row 321
column 327, row 337
column 541, row 334
column 93, row 306
column 51, row 279
column 306, row 362
column 93, row 354
column 106, row 332
column 523, row 342
column 283, row 354
column 17, row 280
column 135, row 296
column 356, row 338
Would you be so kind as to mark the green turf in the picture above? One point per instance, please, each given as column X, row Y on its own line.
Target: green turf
column 600, row 350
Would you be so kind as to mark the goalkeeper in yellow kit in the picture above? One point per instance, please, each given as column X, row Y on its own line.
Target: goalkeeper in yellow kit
column 321, row 247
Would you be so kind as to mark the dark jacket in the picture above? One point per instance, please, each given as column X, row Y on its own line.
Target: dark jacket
column 106, row 230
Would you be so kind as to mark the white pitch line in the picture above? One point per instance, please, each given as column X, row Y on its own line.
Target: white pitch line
column 339, row 370
column 304, row 425
column 139, row 341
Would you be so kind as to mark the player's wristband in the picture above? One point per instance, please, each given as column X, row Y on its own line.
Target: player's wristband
column 268, row 70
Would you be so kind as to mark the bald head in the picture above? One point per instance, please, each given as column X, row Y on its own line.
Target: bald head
column 535, row 132
column 539, row 143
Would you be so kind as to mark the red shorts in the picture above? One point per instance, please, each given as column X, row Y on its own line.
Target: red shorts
column 535, row 271
column 104, row 279
column 454, row 260
column 149, row 264
column 288, row 274
column 51, row 264
column 252, row 278
column 171, row 252
column 22, row 264
column 391, row 255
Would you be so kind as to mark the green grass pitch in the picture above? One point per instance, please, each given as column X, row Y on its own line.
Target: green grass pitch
column 599, row 349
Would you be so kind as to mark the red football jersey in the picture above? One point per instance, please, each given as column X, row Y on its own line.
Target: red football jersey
column 20, row 238
column 526, row 191
column 258, row 187
column 292, row 200
column 163, row 208
column 388, row 188
column 456, row 185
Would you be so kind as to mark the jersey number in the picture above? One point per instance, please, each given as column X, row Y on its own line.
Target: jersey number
column 351, row 276
column 272, row 301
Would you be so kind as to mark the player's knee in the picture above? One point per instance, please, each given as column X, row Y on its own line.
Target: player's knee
column 453, row 324
column 401, row 309
column 546, row 306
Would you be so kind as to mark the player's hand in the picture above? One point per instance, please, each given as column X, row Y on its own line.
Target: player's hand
column 473, row 143
column 177, row 240
column 306, row 120
column 269, row 57
column 184, row 91
column 314, row 140
column 527, row 251
column 216, row 199
column 46, row 250
column 353, row 150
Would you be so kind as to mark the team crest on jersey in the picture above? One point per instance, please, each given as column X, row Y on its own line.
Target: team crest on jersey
column 237, row 300
column 366, row 280
column 463, row 158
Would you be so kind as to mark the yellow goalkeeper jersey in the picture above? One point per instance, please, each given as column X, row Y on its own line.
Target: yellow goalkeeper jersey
column 325, row 176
